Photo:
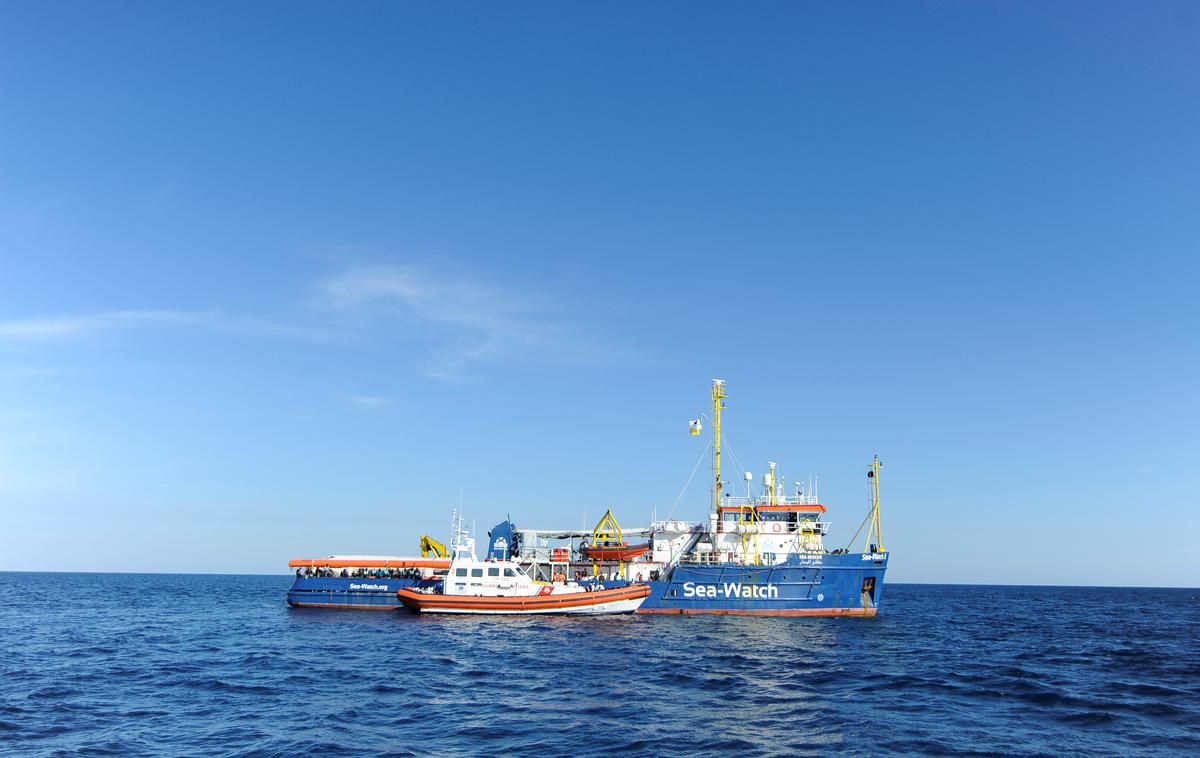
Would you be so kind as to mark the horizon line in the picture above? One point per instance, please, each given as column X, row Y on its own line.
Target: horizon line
column 933, row 584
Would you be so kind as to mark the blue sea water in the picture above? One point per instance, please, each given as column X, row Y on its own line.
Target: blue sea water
column 127, row 664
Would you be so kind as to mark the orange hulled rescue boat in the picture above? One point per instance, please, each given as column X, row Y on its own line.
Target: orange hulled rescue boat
column 608, row 544
column 497, row 586
column 613, row 551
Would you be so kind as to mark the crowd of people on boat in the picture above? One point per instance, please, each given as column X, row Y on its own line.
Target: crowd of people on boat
column 359, row 573
column 559, row 576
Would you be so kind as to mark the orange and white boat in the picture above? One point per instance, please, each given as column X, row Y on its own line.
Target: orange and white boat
column 613, row 551
column 496, row 586
column 558, row 599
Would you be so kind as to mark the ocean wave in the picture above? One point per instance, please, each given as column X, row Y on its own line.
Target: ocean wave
column 942, row 670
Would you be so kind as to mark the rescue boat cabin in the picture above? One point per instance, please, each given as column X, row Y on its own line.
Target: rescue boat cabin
column 488, row 578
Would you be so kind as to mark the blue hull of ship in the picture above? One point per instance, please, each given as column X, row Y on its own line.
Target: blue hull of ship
column 828, row 585
column 357, row 593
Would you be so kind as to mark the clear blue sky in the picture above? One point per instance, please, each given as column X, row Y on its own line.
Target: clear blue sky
column 280, row 280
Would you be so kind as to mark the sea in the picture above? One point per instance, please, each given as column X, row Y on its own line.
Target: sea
column 205, row 665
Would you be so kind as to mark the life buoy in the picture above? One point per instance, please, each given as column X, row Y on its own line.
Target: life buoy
column 777, row 527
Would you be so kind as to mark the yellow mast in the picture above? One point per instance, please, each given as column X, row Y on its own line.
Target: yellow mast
column 718, row 394
column 746, row 514
column 876, row 529
column 771, row 496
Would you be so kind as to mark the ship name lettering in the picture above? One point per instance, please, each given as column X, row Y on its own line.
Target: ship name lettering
column 731, row 590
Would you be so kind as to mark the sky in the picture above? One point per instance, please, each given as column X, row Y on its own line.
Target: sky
column 284, row 280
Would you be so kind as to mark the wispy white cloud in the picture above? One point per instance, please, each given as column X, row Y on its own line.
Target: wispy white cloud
column 68, row 327
column 451, row 322
column 65, row 327
column 473, row 321
column 369, row 401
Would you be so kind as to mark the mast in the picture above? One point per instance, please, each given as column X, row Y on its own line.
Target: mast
column 718, row 394
column 876, row 529
column 771, row 476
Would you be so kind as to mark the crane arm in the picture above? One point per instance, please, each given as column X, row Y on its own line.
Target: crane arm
column 430, row 545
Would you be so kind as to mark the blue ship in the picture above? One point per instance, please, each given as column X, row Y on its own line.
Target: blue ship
column 718, row 580
column 763, row 554
column 833, row 585
column 361, row 582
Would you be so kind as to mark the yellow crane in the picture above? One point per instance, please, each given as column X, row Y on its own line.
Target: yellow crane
column 430, row 545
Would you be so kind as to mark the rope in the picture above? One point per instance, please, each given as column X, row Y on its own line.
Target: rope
column 725, row 441
column 689, row 480
column 860, row 527
column 736, row 462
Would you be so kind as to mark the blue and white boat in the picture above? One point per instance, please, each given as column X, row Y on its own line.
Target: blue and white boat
column 759, row 555
column 361, row 582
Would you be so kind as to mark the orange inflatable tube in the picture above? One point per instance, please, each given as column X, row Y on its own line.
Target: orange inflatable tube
column 420, row 600
column 430, row 563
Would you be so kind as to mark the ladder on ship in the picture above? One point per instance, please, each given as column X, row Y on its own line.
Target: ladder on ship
column 747, row 515
column 694, row 540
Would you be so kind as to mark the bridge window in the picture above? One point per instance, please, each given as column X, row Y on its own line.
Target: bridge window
column 460, row 572
column 476, row 572
column 509, row 572
column 493, row 572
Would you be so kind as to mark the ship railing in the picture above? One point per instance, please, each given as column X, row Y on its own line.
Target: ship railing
column 768, row 527
column 540, row 554
column 736, row 501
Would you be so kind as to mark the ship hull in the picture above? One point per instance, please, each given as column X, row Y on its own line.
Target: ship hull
column 620, row 600
column 825, row 585
column 820, row 585
column 364, row 594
